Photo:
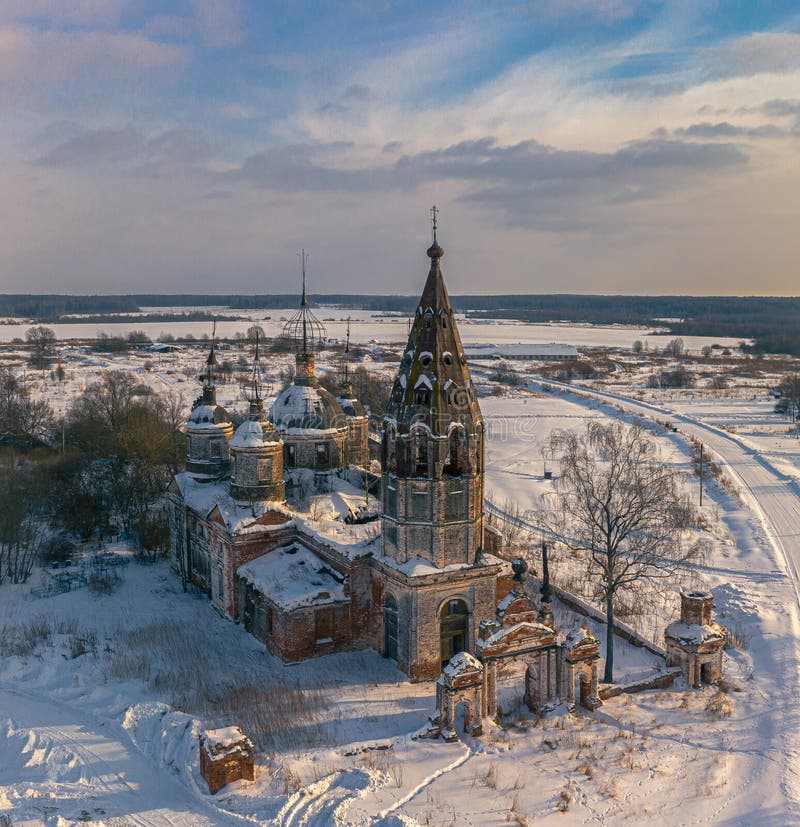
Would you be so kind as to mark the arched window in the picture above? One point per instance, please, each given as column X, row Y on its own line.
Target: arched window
column 455, row 457
column 420, row 454
column 454, row 628
column 422, row 396
column 389, row 456
column 390, row 627
column 478, row 449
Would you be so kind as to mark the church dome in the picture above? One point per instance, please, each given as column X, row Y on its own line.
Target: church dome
column 205, row 416
column 254, row 434
column 351, row 406
column 306, row 407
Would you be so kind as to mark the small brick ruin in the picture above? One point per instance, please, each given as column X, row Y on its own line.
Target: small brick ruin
column 226, row 755
column 695, row 642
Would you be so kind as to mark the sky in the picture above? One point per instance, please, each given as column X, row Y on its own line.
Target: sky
column 582, row 146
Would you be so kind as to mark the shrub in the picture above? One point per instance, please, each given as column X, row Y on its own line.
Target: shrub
column 719, row 704
column 104, row 581
column 24, row 640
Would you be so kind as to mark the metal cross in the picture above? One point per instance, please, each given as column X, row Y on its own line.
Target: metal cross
column 434, row 213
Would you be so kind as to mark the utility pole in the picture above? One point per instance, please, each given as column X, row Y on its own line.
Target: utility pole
column 701, row 473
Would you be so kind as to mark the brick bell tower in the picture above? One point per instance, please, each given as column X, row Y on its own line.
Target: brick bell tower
column 433, row 440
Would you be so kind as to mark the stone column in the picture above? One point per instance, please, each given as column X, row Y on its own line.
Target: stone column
column 477, row 712
column 552, row 674
column 570, row 687
column 491, row 690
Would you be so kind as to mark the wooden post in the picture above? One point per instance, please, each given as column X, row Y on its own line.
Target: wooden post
column 701, row 473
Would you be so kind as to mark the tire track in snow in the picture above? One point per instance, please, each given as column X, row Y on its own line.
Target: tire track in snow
column 321, row 804
column 426, row 782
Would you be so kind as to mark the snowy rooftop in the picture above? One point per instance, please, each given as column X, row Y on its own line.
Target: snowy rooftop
column 253, row 434
column 293, row 576
column 694, row 633
column 461, row 664
column 417, row 567
column 203, row 497
column 204, row 417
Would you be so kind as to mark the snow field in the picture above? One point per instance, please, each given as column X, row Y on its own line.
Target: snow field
column 110, row 737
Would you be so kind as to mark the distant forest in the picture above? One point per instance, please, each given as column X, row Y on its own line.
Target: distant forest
column 772, row 322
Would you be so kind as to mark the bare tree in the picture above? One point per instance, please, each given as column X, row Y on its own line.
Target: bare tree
column 255, row 330
column 20, row 416
column 675, row 347
column 788, row 392
column 23, row 523
column 622, row 509
column 42, row 341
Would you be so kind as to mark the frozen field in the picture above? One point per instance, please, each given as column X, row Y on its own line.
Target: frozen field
column 368, row 326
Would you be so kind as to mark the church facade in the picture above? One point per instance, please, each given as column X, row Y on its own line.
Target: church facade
column 416, row 593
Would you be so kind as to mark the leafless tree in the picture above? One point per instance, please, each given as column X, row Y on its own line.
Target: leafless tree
column 23, row 523
column 621, row 509
column 675, row 348
column 42, row 341
column 20, row 416
column 789, row 396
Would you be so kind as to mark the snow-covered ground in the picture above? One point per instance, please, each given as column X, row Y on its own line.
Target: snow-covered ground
column 110, row 736
column 369, row 326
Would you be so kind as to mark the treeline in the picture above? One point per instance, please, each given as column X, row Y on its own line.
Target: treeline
column 769, row 320
column 193, row 316
column 53, row 307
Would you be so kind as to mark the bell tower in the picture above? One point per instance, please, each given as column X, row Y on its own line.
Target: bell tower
column 433, row 439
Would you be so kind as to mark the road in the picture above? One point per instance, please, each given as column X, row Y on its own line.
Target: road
column 767, row 567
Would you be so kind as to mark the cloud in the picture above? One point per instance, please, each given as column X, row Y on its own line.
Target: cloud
column 727, row 130
column 168, row 153
column 96, row 146
column 357, row 92
column 535, row 185
column 28, row 56
column 63, row 12
column 643, row 88
column 755, row 54
column 781, row 108
column 605, row 11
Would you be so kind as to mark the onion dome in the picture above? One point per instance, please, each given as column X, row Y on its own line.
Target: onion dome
column 306, row 407
column 254, row 433
column 257, row 451
column 208, row 430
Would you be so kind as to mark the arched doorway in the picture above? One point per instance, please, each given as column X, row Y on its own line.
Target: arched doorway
column 390, row 627
column 454, row 628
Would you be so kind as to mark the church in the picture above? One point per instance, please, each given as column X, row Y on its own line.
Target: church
column 417, row 592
